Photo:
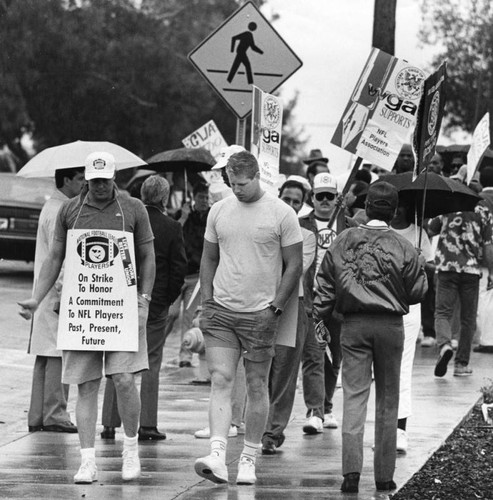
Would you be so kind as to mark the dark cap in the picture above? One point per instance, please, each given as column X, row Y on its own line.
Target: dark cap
column 382, row 194
column 315, row 156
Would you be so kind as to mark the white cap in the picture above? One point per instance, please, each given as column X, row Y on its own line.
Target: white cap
column 324, row 182
column 99, row 165
column 302, row 180
column 225, row 155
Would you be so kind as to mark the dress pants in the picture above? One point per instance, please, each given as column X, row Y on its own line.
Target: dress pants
column 149, row 387
column 313, row 373
column 366, row 340
column 48, row 395
column 282, row 381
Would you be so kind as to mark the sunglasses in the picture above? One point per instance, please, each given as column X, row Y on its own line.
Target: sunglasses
column 321, row 196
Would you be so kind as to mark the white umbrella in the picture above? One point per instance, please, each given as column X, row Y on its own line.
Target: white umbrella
column 73, row 154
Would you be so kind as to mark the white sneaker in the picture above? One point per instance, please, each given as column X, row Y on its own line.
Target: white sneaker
column 313, row 425
column 131, row 464
column 428, row 342
column 212, row 468
column 330, row 421
column 401, row 441
column 246, row 472
column 455, row 344
column 205, row 433
column 87, row 473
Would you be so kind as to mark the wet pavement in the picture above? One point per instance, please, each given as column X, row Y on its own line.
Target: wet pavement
column 42, row 465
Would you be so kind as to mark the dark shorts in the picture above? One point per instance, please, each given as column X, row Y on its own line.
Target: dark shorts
column 252, row 333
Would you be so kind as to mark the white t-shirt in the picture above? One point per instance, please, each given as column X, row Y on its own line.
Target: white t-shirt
column 250, row 237
column 325, row 237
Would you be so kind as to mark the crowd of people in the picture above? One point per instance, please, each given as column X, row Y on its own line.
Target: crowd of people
column 363, row 277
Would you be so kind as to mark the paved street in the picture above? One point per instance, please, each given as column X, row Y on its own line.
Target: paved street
column 42, row 465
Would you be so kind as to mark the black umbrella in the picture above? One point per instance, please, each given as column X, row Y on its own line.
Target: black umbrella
column 443, row 195
column 181, row 159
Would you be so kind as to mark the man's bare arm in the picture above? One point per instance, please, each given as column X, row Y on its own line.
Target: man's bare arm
column 292, row 257
column 208, row 267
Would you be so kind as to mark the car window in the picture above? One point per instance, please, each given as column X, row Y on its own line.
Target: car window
column 34, row 190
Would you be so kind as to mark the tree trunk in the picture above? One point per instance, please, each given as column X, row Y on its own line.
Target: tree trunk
column 384, row 25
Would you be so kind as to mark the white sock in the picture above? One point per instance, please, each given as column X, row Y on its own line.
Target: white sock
column 130, row 443
column 88, row 454
column 249, row 451
column 218, row 447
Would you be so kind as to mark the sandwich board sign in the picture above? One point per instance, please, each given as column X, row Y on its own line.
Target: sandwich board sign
column 243, row 51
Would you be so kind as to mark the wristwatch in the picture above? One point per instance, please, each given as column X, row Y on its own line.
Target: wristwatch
column 275, row 310
column 146, row 296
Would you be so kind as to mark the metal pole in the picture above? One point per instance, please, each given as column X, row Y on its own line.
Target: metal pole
column 241, row 132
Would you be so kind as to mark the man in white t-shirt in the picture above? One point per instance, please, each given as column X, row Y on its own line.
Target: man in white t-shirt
column 251, row 263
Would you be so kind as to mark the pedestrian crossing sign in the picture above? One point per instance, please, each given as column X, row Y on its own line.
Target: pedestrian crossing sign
column 244, row 50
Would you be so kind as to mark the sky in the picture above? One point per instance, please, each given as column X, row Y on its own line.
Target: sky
column 333, row 39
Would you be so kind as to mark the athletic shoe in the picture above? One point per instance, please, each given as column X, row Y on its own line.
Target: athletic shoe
column 461, row 370
column 87, row 473
column 246, row 472
column 445, row 356
column 428, row 342
column 313, row 425
column 401, row 441
column 455, row 344
column 212, row 468
column 205, row 433
column 330, row 421
column 131, row 464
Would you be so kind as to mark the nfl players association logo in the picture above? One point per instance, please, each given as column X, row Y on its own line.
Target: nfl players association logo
column 97, row 249
column 408, row 83
column 272, row 112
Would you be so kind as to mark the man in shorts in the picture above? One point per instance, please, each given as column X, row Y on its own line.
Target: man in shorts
column 100, row 206
column 251, row 263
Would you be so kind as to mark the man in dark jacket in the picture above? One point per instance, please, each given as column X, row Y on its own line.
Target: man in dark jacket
column 319, row 371
column 171, row 267
column 370, row 274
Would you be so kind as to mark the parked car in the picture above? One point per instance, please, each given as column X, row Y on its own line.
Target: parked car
column 21, row 201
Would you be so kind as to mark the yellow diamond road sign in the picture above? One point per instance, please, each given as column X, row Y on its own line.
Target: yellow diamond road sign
column 244, row 51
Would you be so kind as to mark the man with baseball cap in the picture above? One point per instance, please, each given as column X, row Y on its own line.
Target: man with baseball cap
column 370, row 275
column 319, row 371
column 100, row 206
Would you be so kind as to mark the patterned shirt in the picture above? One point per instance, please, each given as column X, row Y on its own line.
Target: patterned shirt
column 462, row 236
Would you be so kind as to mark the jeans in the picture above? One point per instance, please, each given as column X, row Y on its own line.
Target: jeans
column 450, row 287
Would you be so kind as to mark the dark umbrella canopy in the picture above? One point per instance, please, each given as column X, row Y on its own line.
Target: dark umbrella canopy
column 443, row 195
column 178, row 160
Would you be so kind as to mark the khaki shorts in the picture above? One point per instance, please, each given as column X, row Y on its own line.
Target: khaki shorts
column 253, row 333
column 83, row 366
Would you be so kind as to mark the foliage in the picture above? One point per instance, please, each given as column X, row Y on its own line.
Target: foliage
column 107, row 70
column 463, row 29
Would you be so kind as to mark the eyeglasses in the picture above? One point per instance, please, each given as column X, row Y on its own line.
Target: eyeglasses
column 321, row 196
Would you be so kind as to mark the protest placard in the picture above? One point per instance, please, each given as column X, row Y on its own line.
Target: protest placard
column 266, row 136
column 98, row 307
column 381, row 113
column 429, row 118
column 480, row 143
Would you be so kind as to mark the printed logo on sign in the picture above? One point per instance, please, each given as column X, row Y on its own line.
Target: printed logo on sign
column 97, row 249
column 271, row 112
column 433, row 113
column 408, row 82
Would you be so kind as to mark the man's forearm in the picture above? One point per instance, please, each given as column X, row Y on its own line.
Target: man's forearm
column 48, row 275
column 289, row 282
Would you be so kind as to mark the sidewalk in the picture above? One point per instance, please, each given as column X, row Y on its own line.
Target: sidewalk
column 42, row 465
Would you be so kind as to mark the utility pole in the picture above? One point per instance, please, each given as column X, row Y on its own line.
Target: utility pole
column 384, row 25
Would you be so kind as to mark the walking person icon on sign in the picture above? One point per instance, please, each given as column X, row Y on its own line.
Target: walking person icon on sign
column 246, row 42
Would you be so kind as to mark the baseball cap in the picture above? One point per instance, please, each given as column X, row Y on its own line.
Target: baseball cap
column 99, row 165
column 226, row 152
column 324, row 182
column 383, row 195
